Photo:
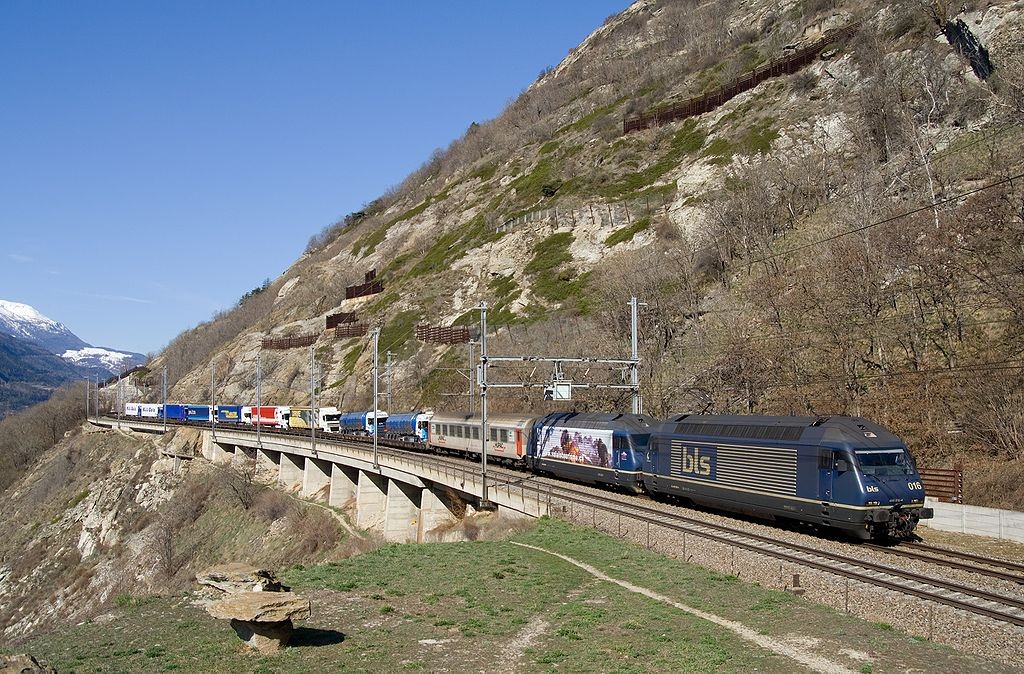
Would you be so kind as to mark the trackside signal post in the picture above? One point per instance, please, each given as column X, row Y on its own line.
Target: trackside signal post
column 558, row 388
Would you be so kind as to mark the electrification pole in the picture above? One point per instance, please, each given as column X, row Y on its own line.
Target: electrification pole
column 213, row 397
column 387, row 372
column 484, row 503
column 470, row 395
column 163, row 388
column 259, row 398
column 97, row 397
column 376, row 337
column 88, row 394
column 638, row 405
column 312, row 398
column 117, row 401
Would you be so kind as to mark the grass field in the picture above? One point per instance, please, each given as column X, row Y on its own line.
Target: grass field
column 496, row 606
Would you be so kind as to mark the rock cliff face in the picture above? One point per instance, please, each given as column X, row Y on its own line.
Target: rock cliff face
column 106, row 517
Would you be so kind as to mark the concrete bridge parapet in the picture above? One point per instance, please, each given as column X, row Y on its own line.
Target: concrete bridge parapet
column 404, row 496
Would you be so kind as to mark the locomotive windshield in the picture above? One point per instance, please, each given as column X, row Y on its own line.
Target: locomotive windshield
column 882, row 462
column 640, row 441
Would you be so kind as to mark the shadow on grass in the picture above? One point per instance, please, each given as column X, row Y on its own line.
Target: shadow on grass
column 310, row 636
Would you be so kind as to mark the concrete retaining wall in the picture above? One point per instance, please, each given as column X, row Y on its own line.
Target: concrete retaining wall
column 977, row 520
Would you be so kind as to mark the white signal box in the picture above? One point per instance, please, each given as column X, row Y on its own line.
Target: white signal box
column 560, row 390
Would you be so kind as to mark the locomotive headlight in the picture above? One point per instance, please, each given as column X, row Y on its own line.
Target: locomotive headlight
column 873, row 503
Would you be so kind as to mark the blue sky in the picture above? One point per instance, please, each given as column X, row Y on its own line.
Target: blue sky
column 158, row 159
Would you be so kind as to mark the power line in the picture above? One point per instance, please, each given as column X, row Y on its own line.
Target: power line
column 884, row 221
column 996, row 366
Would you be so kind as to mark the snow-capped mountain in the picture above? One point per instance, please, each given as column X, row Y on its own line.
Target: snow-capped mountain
column 24, row 321
column 105, row 362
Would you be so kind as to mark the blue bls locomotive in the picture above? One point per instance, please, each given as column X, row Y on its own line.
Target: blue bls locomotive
column 591, row 447
column 845, row 473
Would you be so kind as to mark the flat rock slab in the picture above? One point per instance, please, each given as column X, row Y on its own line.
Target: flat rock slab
column 261, row 607
column 235, row 577
column 263, row 620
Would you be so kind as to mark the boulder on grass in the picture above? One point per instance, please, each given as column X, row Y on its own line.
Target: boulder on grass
column 263, row 620
column 235, row 577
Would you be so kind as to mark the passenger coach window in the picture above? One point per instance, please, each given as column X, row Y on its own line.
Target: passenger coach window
column 476, row 432
column 504, row 435
column 458, row 431
column 494, row 435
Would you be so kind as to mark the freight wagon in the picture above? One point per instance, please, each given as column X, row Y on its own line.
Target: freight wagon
column 229, row 414
column 408, row 426
column 362, row 423
column 327, row 418
column 175, row 412
column 266, row 416
column 197, row 413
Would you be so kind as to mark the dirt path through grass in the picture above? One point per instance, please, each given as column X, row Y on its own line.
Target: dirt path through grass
column 811, row 660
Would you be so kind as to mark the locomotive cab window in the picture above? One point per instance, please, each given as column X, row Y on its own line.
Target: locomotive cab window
column 882, row 462
column 825, row 459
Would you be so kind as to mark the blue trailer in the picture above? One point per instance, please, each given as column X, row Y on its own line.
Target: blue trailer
column 175, row 412
column 229, row 414
column 197, row 413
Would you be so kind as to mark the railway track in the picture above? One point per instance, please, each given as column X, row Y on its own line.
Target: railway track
column 975, row 600
column 1003, row 569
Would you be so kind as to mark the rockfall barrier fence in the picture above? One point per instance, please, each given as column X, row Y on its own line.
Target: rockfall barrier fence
column 698, row 105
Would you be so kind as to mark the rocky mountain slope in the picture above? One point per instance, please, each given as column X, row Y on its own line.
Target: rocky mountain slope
column 25, row 322
column 828, row 241
column 105, row 517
